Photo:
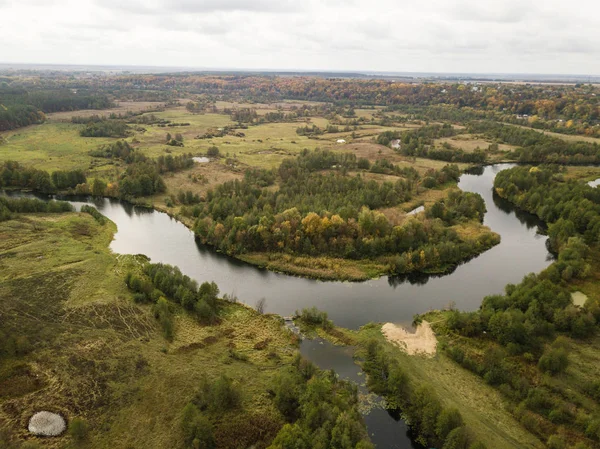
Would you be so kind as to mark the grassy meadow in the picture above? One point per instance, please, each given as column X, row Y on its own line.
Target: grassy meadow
column 85, row 350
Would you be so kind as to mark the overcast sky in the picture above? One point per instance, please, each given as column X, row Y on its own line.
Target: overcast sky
column 499, row 36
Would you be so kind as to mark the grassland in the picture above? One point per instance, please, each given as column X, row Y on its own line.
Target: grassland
column 324, row 268
column 470, row 142
column 85, row 350
column 481, row 406
column 57, row 145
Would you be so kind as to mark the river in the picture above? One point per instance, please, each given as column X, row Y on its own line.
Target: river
column 522, row 250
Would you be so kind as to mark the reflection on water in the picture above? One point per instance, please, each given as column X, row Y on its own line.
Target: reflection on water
column 385, row 428
column 521, row 251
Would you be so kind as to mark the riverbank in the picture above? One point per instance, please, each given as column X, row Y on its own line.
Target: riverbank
column 482, row 408
column 325, row 268
column 74, row 342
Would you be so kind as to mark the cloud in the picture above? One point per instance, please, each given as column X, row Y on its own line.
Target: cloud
column 166, row 7
column 507, row 11
column 381, row 35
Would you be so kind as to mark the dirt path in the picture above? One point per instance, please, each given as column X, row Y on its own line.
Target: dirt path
column 422, row 342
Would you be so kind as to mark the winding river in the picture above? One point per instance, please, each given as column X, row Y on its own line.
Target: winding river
column 522, row 250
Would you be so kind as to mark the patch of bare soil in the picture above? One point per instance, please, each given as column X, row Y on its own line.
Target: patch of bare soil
column 422, row 342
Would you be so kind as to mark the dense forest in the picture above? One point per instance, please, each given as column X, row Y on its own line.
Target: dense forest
column 21, row 107
column 570, row 109
column 518, row 338
column 320, row 210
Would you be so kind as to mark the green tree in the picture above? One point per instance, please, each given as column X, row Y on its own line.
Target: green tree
column 448, row 420
column 98, row 187
column 197, row 429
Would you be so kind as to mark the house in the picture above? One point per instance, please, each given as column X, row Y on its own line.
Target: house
column 340, row 141
column 396, row 144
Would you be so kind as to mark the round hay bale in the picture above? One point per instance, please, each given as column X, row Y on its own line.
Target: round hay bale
column 47, row 424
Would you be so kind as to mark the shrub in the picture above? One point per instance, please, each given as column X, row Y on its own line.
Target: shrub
column 448, row 420
column 554, row 361
column 213, row 152
column 78, row 429
column 218, row 396
column 315, row 317
column 197, row 429
column 556, row 442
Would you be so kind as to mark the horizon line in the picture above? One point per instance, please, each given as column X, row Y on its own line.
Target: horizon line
column 363, row 72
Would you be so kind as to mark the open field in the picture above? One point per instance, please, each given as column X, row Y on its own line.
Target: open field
column 56, row 144
column 324, row 268
column 583, row 173
column 121, row 108
column 50, row 146
column 469, row 143
column 86, row 350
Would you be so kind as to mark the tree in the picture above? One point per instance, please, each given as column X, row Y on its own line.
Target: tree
column 260, row 305
column 554, row 361
column 98, row 187
column 197, row 429
column 291, row 436
column 448, row 420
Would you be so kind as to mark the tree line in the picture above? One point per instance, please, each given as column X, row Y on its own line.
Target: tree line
column 21, row 107
column 433, row 423
column 421, row 143
column 13, row 174
column 316, row 408
column 537, row 147
column 11, row 206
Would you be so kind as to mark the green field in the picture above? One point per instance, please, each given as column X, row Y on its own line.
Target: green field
column 85, row 350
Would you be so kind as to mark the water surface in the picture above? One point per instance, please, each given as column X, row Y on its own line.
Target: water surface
column 522, row 250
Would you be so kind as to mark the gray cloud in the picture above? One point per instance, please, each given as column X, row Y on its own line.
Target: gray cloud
column 168, row 7
column 391, row 35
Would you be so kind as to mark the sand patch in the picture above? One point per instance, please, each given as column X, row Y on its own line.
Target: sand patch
column 422, row 342
column 579, row 298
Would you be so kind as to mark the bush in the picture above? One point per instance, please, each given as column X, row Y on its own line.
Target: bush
column 554, row 361
column 556, row 442
column 197, row 429
column 457, row 439
column 94, row 213
column 213, row 152
column 448, row 420
column 218, row 396
column 314, row 317
column 78, row 429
